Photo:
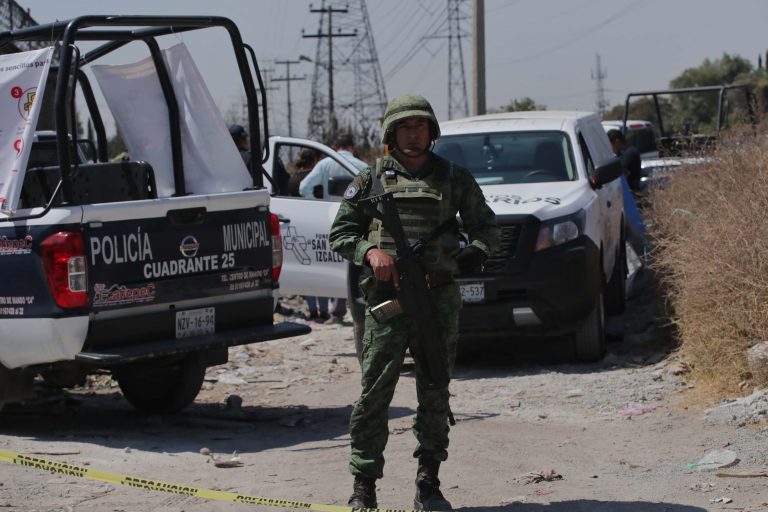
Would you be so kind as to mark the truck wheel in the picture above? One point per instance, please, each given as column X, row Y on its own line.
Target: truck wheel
column 589, row 339
column 356, row 307
column 616, row 289
column 162, row 387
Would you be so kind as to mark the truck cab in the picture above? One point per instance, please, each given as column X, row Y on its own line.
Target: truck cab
column 552, row 180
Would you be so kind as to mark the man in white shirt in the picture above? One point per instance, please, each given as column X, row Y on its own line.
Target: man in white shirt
column 328, row 167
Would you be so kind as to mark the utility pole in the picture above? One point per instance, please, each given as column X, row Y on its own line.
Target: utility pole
column 599, row 75
column 478, row 62
column 457, row 81
column 330, row 35
column 288, row 79
column 267, row 87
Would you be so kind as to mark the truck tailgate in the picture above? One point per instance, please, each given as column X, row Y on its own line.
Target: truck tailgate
column 178, row 268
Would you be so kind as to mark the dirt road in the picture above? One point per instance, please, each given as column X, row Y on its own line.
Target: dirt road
column 618, row 432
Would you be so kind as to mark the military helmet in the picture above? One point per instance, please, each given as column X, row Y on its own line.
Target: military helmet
column 407, row 106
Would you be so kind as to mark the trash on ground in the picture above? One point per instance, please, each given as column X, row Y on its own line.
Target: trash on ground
column 742, row 475
column 714, row 460
column 233, row 462
column 306, row 344
column 635, row 410
column 534, row 477
column 721, row 500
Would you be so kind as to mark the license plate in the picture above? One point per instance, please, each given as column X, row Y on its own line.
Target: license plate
column 472, row 292
column 195, row 322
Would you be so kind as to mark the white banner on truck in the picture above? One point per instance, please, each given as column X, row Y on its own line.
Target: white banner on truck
column 211, row 160
column 22, row 83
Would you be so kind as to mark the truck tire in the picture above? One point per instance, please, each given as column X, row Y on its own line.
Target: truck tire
column 161, row 387
column 616, row 289
column 589, row 339
column 356, row 307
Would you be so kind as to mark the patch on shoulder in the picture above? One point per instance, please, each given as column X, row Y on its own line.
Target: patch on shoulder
column 351, row 191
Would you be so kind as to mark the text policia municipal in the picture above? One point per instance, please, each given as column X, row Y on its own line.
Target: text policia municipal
column 137, row 247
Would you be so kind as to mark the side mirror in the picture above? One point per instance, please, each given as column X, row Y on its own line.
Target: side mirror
column 606, row 173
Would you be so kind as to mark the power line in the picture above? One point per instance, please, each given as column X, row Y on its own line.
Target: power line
column 356, row 96
column 288, row 78
column 582, row 35
column 458, row 103
column 429, row 34
column 332, row 123
column 600, row 74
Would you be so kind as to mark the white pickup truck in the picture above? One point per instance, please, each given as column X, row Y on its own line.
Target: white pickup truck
column 551, row 179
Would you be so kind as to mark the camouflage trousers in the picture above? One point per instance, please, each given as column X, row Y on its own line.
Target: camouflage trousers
column 384, row 346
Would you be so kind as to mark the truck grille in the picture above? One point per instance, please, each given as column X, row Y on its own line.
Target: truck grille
column 499, row 259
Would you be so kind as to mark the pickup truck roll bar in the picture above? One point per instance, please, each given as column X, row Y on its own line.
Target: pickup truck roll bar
column 720, row 89
column 146, row 29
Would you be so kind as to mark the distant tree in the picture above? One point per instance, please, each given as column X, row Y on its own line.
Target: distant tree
column 724, row 70
column 523, row 104
column 641, row 108
column 697, row 113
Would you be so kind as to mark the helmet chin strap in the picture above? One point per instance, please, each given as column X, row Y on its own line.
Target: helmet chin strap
column 413, row 154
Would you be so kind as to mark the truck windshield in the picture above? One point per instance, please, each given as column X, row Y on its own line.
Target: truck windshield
column 511, row 157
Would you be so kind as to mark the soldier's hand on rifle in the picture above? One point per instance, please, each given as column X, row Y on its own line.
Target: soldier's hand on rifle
column 383, row 266
column 470, row 259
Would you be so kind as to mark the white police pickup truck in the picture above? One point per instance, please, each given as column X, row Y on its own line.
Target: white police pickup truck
column 551, row 179
column 148, row 268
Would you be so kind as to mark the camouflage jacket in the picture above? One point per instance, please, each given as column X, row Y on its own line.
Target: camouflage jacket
column 349, row 234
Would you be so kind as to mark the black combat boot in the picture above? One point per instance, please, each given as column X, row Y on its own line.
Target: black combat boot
column 428, row 495
column 364, row 493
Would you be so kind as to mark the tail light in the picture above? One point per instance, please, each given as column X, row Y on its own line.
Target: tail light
column 277, row 247
column 63, row 255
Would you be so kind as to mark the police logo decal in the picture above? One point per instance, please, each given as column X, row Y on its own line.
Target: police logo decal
column 350, row 192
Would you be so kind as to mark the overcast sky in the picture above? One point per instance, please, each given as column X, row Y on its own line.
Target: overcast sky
column 544, row 49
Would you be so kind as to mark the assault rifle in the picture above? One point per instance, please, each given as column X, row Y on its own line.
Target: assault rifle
column 413, row 297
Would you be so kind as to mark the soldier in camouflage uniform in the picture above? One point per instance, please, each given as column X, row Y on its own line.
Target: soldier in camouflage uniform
column 427, row 191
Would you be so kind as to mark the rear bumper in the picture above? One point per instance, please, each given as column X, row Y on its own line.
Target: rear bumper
column 30, row 341
column 119, row 355
column 552, row 296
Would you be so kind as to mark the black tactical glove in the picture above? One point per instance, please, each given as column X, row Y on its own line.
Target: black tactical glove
column 470, row 259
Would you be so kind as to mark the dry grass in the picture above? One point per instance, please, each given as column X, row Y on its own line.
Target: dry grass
column 710, row 230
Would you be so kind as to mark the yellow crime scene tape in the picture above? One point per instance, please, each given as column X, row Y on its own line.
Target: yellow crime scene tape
column 63, row 468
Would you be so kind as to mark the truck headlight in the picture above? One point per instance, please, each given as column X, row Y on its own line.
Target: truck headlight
column 560, row 230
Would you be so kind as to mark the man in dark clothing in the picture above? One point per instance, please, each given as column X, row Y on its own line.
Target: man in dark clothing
column 630, row 157
column 240, row 138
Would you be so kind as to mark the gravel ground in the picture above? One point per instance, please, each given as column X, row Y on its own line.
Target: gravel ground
column 621, row 433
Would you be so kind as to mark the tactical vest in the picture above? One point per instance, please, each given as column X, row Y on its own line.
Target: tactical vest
column 423, row 204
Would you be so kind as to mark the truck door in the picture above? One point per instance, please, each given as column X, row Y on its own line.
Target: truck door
column 309, row 265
